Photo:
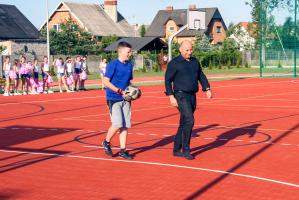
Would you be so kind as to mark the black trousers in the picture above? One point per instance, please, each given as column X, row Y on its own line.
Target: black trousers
column 186, row 106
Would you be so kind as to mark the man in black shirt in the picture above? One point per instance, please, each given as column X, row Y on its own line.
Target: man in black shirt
column 181, row 81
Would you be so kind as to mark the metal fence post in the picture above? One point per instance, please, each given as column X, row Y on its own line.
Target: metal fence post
column 295, row 38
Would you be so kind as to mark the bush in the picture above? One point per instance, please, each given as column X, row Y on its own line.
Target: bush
column 52, row 71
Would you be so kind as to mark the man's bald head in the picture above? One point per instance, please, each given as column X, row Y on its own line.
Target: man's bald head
column 186, row 49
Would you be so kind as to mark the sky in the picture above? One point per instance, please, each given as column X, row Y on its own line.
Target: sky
column 138, row 11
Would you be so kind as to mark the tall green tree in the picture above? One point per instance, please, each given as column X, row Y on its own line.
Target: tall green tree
column 73, row 40
column 142, row 30
column 269, row 6
column 202, row 43
column 2, row 48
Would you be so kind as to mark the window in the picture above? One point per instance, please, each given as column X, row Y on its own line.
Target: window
column 218, row 29
column 56, row 27
column 171, row 28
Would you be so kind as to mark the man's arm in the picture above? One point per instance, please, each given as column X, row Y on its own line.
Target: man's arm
column 204, row 82
column 169, row 77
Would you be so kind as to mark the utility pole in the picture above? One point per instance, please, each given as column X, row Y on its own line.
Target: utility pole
column 48, row 35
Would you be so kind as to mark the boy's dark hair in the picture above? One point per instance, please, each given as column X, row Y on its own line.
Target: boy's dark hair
column 124, row 44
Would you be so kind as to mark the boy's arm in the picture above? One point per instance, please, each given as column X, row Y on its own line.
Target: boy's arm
column 109, row 85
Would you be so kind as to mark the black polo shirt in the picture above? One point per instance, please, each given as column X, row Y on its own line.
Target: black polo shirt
column 184, row 75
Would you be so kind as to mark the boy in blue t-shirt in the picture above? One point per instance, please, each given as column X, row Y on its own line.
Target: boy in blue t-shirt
column 117, row 78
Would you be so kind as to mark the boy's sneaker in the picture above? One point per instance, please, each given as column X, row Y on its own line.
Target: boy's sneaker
column 50, row 91
column 6, row 94
column 124, row 154
column 107, row 148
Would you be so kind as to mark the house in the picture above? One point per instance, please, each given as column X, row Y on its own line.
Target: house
column 243, row 34
column 140, row 44
column 170, row 20
column 18, row 35
column 99, row 20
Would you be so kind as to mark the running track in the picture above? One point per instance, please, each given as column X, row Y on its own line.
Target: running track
column 245, row 141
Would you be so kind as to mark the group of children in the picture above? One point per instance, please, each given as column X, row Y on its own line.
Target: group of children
column 28, row 77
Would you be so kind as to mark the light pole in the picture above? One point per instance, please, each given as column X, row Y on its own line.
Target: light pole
column 48, row 35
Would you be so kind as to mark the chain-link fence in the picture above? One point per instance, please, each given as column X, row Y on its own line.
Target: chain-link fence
column 278, row 38
column 140, row 62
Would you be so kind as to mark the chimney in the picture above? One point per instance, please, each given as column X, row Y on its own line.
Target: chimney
column 192, row 7
column 169, row 8
column 110, row 7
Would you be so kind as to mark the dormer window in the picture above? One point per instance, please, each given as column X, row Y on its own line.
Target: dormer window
column 171, row 28
column 218, row 29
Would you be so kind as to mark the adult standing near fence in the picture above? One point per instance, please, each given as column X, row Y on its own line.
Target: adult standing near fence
column 181, row 82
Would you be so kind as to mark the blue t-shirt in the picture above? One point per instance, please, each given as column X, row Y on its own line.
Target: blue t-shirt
column 120, row 75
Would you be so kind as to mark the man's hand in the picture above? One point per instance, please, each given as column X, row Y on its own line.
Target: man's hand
column 173, row 101
column 209, row 94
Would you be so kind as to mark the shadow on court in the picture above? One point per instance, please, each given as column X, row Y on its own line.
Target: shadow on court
column 168, row 140
column 15, row 139
column 225, row 137
column 197, row 194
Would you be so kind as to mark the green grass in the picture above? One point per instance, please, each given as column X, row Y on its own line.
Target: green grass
column 241, row 70
column 234, row 70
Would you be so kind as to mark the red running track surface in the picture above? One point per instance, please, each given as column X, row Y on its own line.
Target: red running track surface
column 246, row 143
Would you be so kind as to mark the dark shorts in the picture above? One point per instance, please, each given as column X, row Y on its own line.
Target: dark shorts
column 24, row 76
column 35, row 75
column 77, row 70
column 45, row 75
column 69, row 74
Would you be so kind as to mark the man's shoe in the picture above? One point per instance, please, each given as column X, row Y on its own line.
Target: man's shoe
column 178, row 154
column 124, row 154
column 188, row 156
column 107, row 148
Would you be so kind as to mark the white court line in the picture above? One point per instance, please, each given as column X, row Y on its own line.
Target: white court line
column 100, row 147
column 251, row 105
column 52, row 100
column 159, row 164
column 284, row 144
column 252, row 84
column 92, row 97
column 237, row 99
column 233, row 99
column 197, row 125
column 97, row 115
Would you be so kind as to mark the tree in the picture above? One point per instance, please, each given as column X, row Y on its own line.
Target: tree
column 107, row 40
column 142, row 30
column 243, row 38
column 2, row 48
column 230, row 29
column 202, row 43
column 269, row 6
column 73, row 40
